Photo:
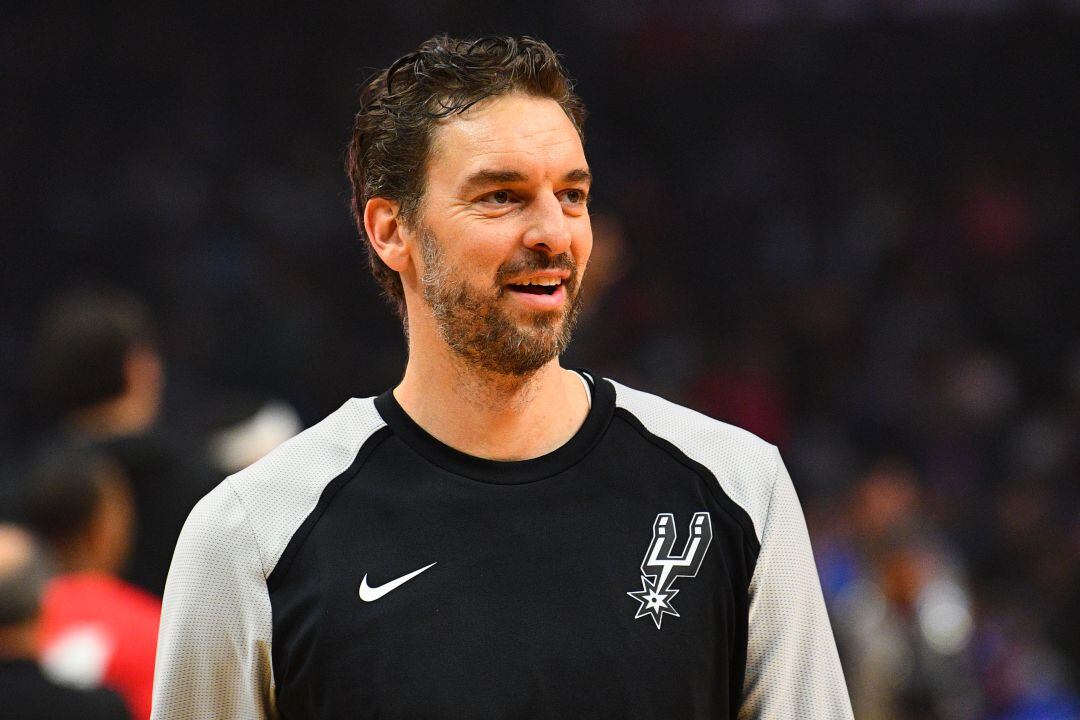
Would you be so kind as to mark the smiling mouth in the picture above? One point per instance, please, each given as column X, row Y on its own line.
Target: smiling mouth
column 537, row 285
column 536, row 289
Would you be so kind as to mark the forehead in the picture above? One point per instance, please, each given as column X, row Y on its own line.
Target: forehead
column 528, row 134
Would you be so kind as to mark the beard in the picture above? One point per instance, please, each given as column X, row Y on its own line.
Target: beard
column 478, row 328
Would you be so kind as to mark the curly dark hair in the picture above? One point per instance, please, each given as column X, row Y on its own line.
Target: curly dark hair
column 400, row 107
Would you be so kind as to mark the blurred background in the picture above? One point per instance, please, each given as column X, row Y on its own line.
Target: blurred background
column 851, row 227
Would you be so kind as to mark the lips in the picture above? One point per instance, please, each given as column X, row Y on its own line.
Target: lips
column 538, row 297
column 538, row 281
column 545, row 286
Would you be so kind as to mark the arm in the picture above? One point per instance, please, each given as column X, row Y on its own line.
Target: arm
column 213, row 656
column 792, row 668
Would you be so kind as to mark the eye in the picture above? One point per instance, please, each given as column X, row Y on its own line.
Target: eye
column 575, row 196
column 499, row 197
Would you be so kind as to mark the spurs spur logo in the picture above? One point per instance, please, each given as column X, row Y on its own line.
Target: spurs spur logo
column 661, row 566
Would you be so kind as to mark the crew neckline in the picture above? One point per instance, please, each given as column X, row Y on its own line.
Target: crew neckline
column 505, row 472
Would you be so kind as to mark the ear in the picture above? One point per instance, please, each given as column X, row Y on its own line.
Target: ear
column 386, row 233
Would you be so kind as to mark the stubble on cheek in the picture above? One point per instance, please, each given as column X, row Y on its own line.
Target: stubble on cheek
column 478, row 328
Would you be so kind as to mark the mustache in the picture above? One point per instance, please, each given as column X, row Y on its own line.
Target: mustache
column 533, row 260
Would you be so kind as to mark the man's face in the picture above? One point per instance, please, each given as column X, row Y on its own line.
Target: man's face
column 504, row 232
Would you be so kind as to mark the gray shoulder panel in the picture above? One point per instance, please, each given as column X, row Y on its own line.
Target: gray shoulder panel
column 743, row 464
column 214, row 645
column 280, row 491
column 792, row 667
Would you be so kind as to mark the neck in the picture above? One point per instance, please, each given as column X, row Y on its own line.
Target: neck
column 83, row 558
column 123, row 415
column 488, row 415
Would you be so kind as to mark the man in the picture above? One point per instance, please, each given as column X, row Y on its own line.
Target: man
column 98, row 368
column 496, row 537
column 25, row 692
column 95, row 628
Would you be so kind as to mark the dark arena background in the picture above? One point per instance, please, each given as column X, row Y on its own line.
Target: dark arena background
column 852, row 228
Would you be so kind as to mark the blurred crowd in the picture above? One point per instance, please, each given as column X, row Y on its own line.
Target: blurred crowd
column 91, row 511
column 853, row 233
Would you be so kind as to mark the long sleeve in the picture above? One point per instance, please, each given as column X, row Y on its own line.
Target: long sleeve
column 213, row 658
column 792, row 667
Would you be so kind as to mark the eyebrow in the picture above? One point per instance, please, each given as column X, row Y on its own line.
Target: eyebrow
column 482, row 178
column 578, row 175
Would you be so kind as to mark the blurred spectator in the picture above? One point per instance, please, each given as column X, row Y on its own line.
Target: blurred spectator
column 95, row 629
column 25, row 692
column 96, row 364
column 903, row 611
column 918, row 646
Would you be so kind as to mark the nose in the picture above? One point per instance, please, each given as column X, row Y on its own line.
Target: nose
column 549, row 228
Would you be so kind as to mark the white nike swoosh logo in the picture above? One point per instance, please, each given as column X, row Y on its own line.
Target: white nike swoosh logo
column 371, row 594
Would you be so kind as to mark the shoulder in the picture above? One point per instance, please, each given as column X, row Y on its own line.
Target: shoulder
column 29, row 694
column 321, row 452
column 269, row 499
column 745, row 466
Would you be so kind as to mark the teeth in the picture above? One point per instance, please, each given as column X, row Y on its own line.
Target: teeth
column 546, row 282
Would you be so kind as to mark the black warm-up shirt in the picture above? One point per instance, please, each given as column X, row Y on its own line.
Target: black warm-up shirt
column 655, row 566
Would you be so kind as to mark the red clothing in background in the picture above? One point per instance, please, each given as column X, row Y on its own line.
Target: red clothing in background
column 98, row 630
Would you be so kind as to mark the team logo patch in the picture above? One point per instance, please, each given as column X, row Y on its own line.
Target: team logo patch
column 661, row 566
